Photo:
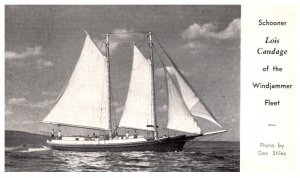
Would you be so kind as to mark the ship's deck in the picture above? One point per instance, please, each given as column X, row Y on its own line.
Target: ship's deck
column 96, row 141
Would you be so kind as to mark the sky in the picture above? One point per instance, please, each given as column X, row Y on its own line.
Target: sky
column 43, row 44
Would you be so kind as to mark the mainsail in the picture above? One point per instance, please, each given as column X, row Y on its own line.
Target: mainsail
column 138, row 107
column 84, row 102
column 179, row 116
column 192, row 101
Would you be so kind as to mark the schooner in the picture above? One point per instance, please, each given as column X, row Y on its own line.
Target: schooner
column 86, row 103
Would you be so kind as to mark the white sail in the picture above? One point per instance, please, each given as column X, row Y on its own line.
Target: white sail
column 84, row 102
column 191, row 100
column 179, row 117
column 138, row 111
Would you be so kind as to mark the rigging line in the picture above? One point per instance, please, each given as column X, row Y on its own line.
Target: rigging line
column 215, row 136
column 159, row 56
column 210, row 138
column 77, row 126
column 126, row 33
column 119, row 41
column 167, row 88
column 102, row 39
column 166, row 82
column 165, row 52
column 101, row 44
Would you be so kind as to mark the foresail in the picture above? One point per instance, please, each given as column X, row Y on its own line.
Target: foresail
column 84, row 102
column 179, row 117
column 137, row 113
column 192, row 101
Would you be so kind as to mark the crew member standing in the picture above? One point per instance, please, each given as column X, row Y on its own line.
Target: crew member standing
column 59, row 135
column 127, row 135
column 135, row 134
column 52, row 134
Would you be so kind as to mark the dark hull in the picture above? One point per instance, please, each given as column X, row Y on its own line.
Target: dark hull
column 162, row 145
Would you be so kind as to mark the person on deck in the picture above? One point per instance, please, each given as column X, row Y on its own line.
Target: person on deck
column 116, row 135
column 127, row 135
column 94, row 137
column 59, row 135
column 135, row 134
column 52, row 134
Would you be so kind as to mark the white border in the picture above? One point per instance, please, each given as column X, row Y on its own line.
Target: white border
column 115, row 2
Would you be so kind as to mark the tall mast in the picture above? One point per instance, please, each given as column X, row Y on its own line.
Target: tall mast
column 108, row 81
column 155, row 135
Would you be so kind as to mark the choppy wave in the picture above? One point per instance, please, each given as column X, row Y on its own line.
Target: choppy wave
column 202, row 159
column 26, row 148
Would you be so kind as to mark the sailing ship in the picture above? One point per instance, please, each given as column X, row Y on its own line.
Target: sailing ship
column 86, row 103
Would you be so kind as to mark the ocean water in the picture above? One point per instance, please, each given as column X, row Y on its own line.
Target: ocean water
column 196, row 157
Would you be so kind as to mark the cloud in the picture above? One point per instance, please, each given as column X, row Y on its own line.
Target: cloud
column 29, row 52
column 42, row 104
column 30, row 64
column 8, row 113
column 210, row 30
column 24, row 102
column 122, row 33
column 41, row 63
column 196, row 30
column 232, row 31
column 162, row 108
column 117, row 37
column 112, row 46
column 193, row 45
column 16, row 101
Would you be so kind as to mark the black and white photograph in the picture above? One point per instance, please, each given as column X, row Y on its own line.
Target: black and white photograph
column 122, row 88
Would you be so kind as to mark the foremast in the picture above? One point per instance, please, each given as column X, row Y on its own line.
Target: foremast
column 153, row 105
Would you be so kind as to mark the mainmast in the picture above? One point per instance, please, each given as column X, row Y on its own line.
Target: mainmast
column 108, row 81
column 155, row 135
